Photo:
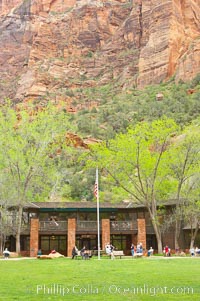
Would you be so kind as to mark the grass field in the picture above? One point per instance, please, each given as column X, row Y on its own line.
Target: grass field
column 154, row 278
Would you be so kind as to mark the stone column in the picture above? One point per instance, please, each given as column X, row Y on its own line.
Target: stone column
column 71, row 237
column 142, row 232
column 34, row 237
column 105, row 232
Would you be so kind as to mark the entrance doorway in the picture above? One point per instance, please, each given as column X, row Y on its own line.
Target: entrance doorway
column 121, row 242
column 53, row 242
column 151, row 241
column 89, row 241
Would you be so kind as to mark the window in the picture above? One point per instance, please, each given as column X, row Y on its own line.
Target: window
column 119, row 241
column 53, row 242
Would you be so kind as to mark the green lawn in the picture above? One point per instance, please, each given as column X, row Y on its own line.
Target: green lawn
column 146, row 279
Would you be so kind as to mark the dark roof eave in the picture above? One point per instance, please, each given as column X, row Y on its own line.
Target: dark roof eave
column 31, row 205
column 85, row 205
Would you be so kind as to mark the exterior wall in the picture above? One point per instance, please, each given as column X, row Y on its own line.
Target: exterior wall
column 134, row 239
column 133, row 215
column 34, row 237
column 25, row 253
column 141, row 215
column 105, row 232
column 168, row 239
column 142, row 232
column 71, row 235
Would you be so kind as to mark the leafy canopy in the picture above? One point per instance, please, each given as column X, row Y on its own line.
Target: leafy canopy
column 30, row 146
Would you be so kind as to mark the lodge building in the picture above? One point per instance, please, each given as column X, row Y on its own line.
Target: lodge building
column 61, row 225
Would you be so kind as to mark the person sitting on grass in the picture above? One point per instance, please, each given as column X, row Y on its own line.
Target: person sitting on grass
column 192, row 252
column 167, row 251
column 150, row 252
column 39, row 253
column 6, row 253
column 197, row 251
column 83, row 252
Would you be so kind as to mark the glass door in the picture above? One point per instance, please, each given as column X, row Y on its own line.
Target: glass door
column 53, row 242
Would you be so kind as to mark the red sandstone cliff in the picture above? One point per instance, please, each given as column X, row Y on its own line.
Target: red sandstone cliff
column 50, row 46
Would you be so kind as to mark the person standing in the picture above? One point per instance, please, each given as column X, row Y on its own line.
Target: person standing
column 111, row 251
column 132, row 250
column 74, row 252
column 107, row 249
column 82, row 253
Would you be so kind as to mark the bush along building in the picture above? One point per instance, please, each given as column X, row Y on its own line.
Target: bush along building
column 61, row 225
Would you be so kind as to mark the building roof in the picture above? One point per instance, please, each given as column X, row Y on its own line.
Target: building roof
column 87, row 205
column 125, row 204
column 84, row 205
column 31, row 205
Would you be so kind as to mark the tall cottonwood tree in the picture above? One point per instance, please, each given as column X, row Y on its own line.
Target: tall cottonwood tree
column 134, row 162
column 191, row 214
column 29, row 162
column 183, row 159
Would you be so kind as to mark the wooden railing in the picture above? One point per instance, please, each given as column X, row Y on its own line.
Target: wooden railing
column 123, row 226
column 87, row 226
column 53, row 226
column 49, row 226
column 150, row 229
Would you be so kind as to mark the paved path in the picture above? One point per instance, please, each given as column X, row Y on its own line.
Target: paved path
column 124, row 258
column 18, row 258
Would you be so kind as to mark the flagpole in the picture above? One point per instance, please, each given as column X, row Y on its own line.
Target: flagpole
column 98, row 222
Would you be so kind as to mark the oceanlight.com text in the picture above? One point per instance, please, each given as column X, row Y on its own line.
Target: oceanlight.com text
column 112, row 289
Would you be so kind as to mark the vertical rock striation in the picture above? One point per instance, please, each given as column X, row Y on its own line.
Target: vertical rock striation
column 48, row 46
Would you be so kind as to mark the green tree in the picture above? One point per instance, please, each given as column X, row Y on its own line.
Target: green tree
column 31, row 143
column 191, row 213
column 133, row 162
column 183, row 159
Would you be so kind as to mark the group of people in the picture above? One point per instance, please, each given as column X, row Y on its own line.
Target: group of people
column 83, row 253
column 195, row 251
column 139, row 250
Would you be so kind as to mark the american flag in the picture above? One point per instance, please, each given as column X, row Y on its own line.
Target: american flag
column 96, row 189
column 96, row 193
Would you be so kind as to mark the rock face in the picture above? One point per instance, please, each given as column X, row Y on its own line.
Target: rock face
column 171, row 40
column 50, row 48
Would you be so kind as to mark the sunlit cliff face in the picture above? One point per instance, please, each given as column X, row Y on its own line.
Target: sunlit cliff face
column 48, row 46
